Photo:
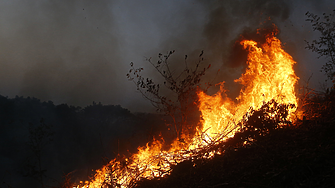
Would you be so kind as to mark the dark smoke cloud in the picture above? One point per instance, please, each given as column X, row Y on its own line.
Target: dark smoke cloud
column 77, row 52
column 66, row 51
column 230, row 21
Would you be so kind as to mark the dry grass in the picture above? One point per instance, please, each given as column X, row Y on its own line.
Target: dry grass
column 301, row 155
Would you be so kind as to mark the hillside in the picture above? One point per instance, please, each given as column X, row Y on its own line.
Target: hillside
column 301, row 155
column 297, row 155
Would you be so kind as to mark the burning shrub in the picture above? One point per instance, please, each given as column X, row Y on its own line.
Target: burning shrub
column 318, row 106
column 266, row 102
column 258, row 123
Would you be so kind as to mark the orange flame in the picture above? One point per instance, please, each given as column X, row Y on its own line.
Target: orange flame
column 269, row 75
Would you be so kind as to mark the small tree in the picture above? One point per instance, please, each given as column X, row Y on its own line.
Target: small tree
column 39, row 137
column 325, row 45
column 183, row 85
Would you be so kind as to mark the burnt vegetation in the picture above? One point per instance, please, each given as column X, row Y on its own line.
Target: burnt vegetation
column 268, row 150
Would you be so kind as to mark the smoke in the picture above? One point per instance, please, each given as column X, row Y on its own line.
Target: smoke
column 65, row 51
column 77, row 52
column 228, row 23
column 231, row 21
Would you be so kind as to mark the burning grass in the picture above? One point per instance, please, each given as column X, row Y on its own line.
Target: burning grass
column 159, row 164
column 268, row 151
column 289, row 157
column 267, row 102
column 296, row 155
column 317, row 106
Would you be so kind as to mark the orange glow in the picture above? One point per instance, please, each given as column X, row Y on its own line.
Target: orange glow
column 269, row 75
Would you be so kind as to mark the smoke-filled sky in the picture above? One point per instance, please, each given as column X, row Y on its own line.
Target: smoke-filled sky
column 79, row 51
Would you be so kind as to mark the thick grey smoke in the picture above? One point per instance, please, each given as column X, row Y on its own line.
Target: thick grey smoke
column 65, row 51
column 78, row 52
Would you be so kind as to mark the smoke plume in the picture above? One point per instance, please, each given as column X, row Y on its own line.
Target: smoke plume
column 77, row 52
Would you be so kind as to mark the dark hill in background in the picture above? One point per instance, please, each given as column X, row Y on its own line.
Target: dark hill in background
column 77, row 140
column 72, row 139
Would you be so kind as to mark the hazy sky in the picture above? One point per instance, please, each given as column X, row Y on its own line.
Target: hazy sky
column 79, row 51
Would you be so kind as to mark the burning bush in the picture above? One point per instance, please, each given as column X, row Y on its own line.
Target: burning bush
column 258, row 123
column 266, row 102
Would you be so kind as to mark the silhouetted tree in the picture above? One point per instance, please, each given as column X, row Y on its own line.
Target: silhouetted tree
column 39, row 137
column 183, row 86
column 325, row 45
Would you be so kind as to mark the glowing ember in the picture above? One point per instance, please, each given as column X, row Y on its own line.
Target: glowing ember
column 269, row 75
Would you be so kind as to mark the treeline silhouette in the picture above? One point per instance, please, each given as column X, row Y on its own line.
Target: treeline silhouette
column 41, row 141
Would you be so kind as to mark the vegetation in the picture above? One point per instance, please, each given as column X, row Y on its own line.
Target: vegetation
column 271, row 152
column 39, row 137
column 267, row 152
column 325, row 45
column 55, row 141
column 181, row 107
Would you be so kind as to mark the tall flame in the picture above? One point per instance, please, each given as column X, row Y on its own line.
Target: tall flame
column 269, row 75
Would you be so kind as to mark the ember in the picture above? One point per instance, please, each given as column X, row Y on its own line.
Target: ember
column 268, row 77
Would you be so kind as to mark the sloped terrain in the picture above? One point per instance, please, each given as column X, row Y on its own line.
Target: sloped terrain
column 292, row 157
column 301, row 155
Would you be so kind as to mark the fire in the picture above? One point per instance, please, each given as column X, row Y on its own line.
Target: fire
column 269, row 76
